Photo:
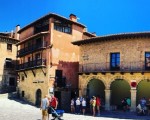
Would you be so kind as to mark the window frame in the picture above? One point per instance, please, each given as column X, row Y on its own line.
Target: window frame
column 8, row 63
column 41, row 26
column 115, row 61
column 147, row 60
column 9, row 47
column 63, row 27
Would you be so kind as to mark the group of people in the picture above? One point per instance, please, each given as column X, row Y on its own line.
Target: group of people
column 47, row 103
column 143, row 106
column 126, row 103
column 95, row 104
column 80, row 105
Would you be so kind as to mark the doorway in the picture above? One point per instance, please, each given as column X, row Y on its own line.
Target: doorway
column 38, row 98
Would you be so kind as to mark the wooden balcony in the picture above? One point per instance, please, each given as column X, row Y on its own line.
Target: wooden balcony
column 40, row 63
column 30, row 49
column 130, row 67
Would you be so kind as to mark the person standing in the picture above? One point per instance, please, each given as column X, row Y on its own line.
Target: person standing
column 128, row 103
column 91, row 105
column 124, row 104
column 49, row 106
column 72, row 106
column 98, row 104
column 148, row 106
column 54, row 102
column 83, row 106
column 78, row 105
column 143, row 103
column 94, row 105
column 44, row 106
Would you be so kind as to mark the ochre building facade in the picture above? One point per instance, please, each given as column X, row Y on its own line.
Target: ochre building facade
column 115, row 67
column 48, row 62
column 8, row 75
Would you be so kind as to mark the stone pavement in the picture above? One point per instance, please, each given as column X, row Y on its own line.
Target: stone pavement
column 11, row 109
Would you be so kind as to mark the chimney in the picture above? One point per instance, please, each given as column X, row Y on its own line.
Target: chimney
column 85, row 30
column 11, row 34
column 16, row 32
column 73, row 17
column 94, row 33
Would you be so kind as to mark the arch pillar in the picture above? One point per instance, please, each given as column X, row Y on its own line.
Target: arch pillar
column 107, row 99
column 133, row 99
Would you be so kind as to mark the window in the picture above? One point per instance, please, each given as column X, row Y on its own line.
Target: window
column 29, row 62
column 41, row 26
column 38, row 43
column 22, row 78
column 147, row 60
column 37, row 56
column 115, row 61
column 62, row 27
column 8, row 63
column 38, row 59
column 12, row 81
column 9, row 47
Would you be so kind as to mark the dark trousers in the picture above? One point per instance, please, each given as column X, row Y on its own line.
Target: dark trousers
column 77, row 109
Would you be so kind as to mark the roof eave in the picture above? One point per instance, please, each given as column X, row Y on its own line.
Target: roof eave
column 48, row 16
column 109, row 37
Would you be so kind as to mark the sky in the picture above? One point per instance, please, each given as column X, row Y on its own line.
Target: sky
column 104, row 17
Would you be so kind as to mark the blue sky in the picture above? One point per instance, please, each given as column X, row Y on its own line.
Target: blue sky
column 101, row 16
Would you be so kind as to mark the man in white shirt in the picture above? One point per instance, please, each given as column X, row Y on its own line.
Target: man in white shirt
column 83, row 106
column 78, row 106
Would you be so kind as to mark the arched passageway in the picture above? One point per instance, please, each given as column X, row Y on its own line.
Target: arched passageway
column 143, row 90
column 38, row 97
column 120, row 89
column 96, row 88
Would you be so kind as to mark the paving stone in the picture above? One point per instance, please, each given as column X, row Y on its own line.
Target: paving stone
column 20, row 110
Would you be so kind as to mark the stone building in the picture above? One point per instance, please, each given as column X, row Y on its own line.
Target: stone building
column 48, row 62
column 115, row 67
column 8, row 81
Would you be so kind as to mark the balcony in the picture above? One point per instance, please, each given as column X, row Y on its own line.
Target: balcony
column 32, row 65
column 105, row 67
column 30, row 49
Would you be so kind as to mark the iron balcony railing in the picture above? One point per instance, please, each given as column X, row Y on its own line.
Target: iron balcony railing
column 123, row 67
column 32, row 64
column 30, row 49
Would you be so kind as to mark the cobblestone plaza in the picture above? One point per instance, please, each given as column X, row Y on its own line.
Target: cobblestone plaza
column 12, row 109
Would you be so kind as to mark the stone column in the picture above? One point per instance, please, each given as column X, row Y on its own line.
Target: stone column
column 107, row 99
column 84, row 92
column 133, row 100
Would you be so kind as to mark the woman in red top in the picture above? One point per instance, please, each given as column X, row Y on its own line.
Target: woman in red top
column 54, row 102
column 98, row 104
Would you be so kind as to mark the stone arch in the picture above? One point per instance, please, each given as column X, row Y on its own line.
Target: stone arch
column 88, row 79
column 119, row 77
column 96, row 87
column 143, row 88
column 142, row 78
column 120, row 89
column 38, row 96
